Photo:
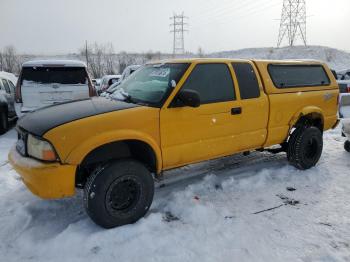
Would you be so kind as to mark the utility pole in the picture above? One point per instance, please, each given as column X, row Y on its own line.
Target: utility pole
column 86, row 54
column 178, row 28
column 293, row 22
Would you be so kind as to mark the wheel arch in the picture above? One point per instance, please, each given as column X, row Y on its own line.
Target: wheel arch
column 121, row 144
column 77, row 155
column 311, row 115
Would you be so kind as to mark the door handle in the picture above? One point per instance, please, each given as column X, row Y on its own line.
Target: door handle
column 236, row 111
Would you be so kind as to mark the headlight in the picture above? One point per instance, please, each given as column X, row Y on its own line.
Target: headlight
column 40, row 149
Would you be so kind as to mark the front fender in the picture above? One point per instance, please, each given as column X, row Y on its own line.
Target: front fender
column 76, row 156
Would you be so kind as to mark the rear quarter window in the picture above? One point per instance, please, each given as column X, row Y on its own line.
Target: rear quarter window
column 57, row 75
column 247, row 81
column 289, row 76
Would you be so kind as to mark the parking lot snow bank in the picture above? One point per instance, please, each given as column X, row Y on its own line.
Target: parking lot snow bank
column 269, row 212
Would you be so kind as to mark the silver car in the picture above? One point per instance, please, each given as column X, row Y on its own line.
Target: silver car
column 7, row 99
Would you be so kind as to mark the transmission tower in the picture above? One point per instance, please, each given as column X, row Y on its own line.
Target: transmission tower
column 293, row 22
column 178, row 28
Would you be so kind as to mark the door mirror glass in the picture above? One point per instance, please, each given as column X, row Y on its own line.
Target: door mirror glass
column 188, row 97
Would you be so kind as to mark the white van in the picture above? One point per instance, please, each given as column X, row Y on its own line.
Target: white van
column 46, row 82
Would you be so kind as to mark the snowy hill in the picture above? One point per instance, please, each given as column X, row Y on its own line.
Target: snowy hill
column 335, row 58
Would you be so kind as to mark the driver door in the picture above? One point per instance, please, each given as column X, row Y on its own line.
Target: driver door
column 211, row 130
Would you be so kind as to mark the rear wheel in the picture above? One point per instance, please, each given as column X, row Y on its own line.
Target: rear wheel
column 3, row 122
column 119, row 193
column 347, row 146
column 305, row 147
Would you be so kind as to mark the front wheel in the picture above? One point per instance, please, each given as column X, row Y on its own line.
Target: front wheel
column 118, row 193
column 4, row 124
column 305, row 147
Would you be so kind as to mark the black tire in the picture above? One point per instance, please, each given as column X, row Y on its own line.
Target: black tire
column 119, row 193
column 347, row 146
column 305, row 147
column 4, row 124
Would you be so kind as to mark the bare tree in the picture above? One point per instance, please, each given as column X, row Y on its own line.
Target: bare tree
column 1, row 61
column 330, row 55
column 200, row 52
column 20, row 59
column 158, row 55
column 109, row 58
column 149, row 55
column 124, row 60
column 95, row 55
column 9, row 59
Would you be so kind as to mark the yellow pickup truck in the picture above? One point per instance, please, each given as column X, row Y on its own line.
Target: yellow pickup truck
column 170, row 114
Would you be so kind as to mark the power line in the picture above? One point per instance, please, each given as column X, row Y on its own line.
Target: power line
column 239, row 14
column 229, row 10
column 178, row 28
column 293, row 22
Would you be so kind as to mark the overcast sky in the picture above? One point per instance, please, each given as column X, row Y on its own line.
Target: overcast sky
column 62, row 26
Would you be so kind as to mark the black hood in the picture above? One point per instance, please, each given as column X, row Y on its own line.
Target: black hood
column 44, row 119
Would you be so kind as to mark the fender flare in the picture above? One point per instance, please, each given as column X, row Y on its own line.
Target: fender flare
column 77, row 155
column 306, row 111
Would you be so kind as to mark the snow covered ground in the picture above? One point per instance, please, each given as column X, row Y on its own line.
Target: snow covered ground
column 213, row 216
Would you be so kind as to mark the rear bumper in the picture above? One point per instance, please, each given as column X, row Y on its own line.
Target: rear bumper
column 46, row 180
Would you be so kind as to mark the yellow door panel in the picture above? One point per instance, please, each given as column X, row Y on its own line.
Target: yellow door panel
column 194, row 134
column 254, row 120
column 255, row 111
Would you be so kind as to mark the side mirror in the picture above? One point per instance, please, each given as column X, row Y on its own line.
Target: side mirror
column 189, row 98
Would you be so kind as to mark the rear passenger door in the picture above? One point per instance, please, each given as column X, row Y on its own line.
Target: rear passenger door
column 211, row 130
column 254, row 106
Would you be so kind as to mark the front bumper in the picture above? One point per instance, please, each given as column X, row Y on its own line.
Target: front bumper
column 46, row 180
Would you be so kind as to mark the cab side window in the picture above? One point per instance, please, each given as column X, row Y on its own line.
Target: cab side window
column 213, row 82
column 247, row 81
column 6, row 85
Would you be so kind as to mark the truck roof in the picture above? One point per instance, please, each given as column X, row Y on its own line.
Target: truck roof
column 54, row 63
column 191, row 60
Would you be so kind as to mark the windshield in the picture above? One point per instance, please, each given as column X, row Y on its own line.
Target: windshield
column 151, row 83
